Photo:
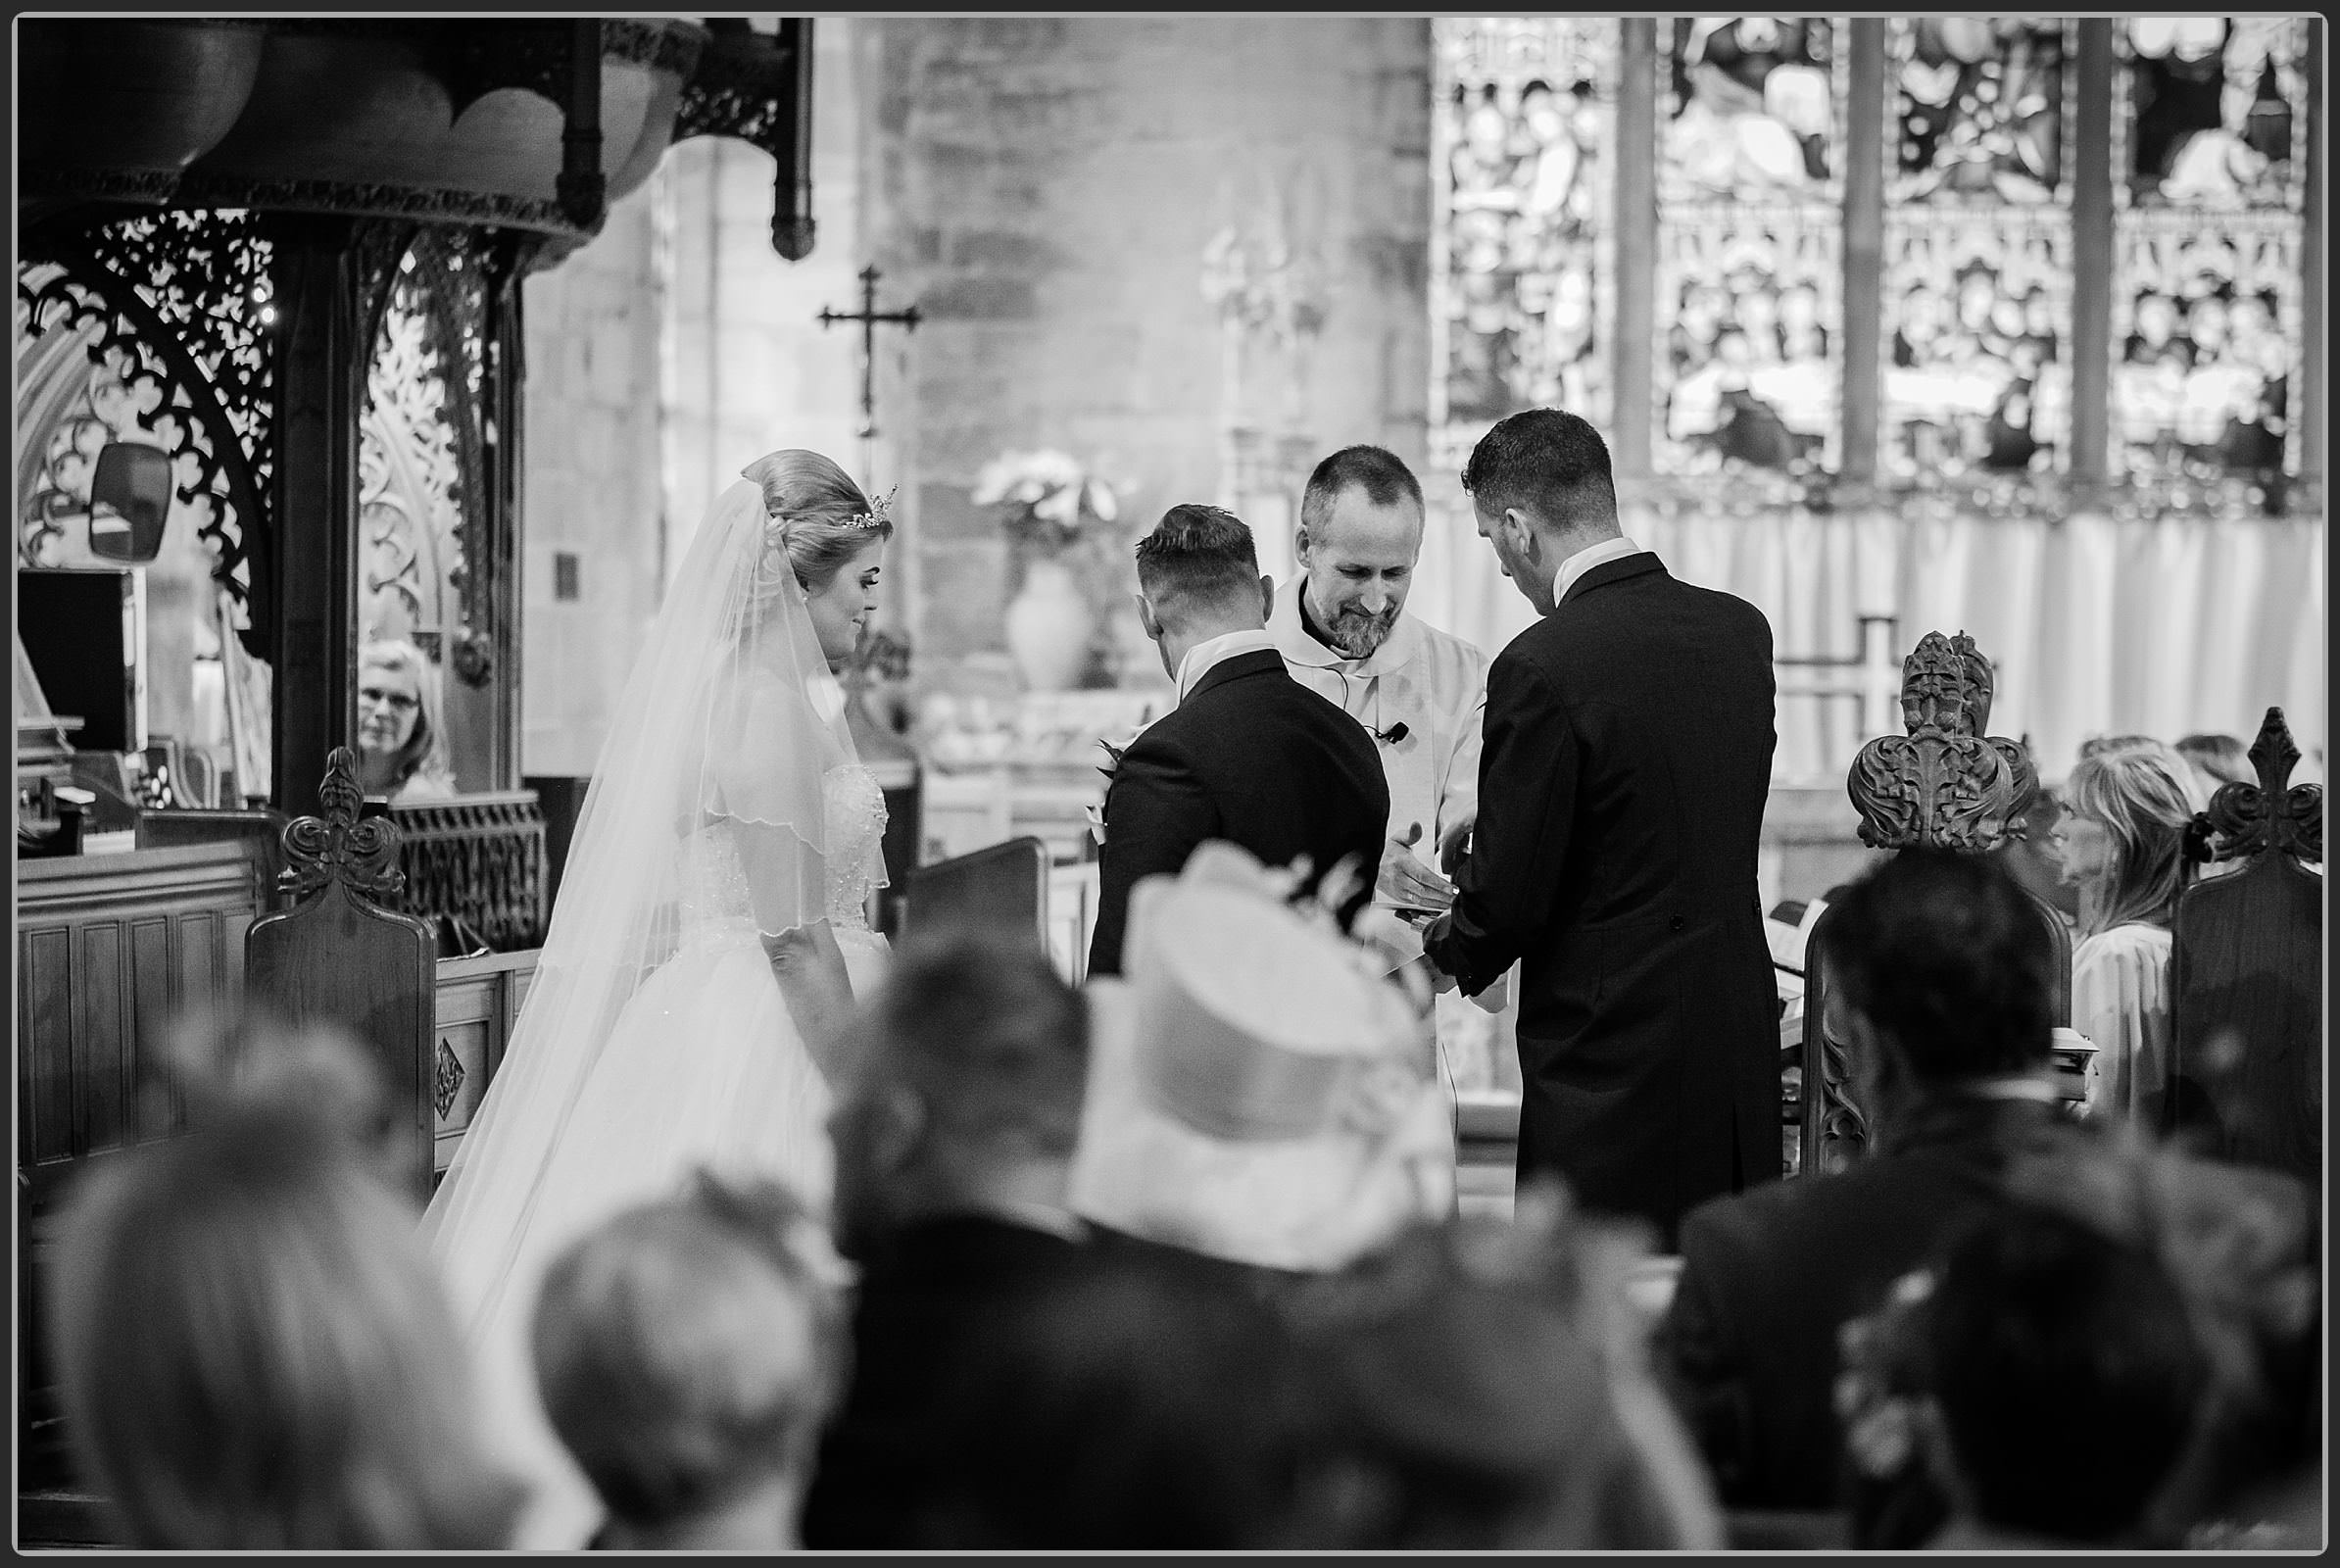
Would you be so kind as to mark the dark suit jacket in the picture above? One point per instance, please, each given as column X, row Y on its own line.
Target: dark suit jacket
column 1749, row 1341
column 1249, row 755
column 1622, row 786
column 917, row 1318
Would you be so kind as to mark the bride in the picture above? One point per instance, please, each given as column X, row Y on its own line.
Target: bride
column 708, row 937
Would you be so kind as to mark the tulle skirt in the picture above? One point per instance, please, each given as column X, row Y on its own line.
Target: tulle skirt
column 704, row 1068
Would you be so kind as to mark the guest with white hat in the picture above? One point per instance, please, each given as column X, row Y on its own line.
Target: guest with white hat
column 1260, row 1090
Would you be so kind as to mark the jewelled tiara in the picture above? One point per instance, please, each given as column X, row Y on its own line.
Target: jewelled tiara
column 879, row 514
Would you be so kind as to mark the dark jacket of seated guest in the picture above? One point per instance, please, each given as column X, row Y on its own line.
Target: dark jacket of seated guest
column 1203, row 1270
column 1770, row 1277
column 956, row 1104
column 920, row 1307
column 1943, row 981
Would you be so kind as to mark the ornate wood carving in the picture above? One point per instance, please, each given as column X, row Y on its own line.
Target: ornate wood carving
column 425, row 503
column 1944, row 784
column 2246, row 975
column 2247, row 819
column 184, row 305
column 339, row 846
column 447, row 1079
column 759, row 88
column 480, row 859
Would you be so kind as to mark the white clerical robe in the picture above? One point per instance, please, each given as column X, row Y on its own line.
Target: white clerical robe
column 1431, row 682
column 1434, row 684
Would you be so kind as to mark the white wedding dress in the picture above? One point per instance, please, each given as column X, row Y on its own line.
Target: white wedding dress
column 727, row 806
column 702, row 1068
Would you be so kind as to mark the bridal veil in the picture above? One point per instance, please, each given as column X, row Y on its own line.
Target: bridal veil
column 731, row 716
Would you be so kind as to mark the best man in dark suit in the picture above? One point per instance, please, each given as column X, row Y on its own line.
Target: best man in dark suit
column 1622, row 784
column 1250, row 754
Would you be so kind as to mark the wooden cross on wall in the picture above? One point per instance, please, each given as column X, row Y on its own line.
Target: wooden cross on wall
column 871, row 318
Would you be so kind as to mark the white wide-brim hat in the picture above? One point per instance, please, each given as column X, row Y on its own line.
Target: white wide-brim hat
column 1256, row 1091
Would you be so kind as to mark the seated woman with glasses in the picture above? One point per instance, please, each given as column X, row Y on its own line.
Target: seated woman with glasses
column 402, row 743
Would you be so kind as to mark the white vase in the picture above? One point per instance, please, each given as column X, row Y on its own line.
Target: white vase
column 1050, row 625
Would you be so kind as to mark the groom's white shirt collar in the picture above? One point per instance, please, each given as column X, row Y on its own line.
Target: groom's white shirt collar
column 1217, row 651
column 1585, row 560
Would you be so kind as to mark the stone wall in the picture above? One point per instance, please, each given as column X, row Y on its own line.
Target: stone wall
column 1046, row 188
column 662, row 357
column 590, row 487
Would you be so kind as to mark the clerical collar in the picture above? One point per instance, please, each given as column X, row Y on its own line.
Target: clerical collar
column 1308, row 625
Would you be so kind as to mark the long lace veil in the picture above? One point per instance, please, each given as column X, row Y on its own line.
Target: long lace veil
column 731, row 723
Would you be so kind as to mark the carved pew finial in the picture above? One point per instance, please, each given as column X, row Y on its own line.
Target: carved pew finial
column 340, row 845
column 1946, row 784
column 2273, row 813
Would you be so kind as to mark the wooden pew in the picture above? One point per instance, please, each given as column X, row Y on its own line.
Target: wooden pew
column 2246, row 974
column 111, row 949
column 1002, row 890
column 1944, row 784
column 339, row 956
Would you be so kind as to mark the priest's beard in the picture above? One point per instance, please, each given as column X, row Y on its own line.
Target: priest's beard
column 1359, row 633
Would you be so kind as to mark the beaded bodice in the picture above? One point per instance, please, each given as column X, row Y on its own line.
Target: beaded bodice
column 714, row 880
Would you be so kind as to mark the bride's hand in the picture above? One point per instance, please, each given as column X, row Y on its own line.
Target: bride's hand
column 810, row 968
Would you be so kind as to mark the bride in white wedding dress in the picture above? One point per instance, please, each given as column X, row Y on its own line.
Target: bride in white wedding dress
column 709, row 934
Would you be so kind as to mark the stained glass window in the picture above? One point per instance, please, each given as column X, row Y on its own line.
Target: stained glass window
column 1754, row 109
column 2215, row 112
column 2212, row 165
column 1978, row 109
column 1978, row 268
column 1748, row 289
column 1522, row 262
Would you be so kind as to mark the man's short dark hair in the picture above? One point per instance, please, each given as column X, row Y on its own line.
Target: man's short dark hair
column 2066, row 1371
column 994, row 1041
column 1545, row 462
column 1382, row 475
column 1948, row 955
column 1198, row 554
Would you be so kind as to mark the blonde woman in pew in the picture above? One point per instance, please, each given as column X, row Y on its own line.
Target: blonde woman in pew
column 2122, row 841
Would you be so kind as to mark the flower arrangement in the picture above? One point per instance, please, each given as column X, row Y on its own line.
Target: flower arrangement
column 1051, row 498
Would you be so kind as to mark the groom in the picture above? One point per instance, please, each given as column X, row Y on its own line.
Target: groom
column 1622, row 782
column 1250, row 754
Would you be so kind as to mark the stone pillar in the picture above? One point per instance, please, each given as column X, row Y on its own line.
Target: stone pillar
column 2315, row 410
column 1864, row 251
column 1636, row 348
column 2092, row 255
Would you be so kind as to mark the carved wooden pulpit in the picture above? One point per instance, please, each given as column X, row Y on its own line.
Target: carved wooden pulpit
column 2246, row 973
column 339, row 956
column 1946, row 784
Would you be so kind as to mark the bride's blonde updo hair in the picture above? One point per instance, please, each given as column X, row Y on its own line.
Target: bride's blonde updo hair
column 817, row 514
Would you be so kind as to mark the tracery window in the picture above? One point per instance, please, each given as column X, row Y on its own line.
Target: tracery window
column 1749, row 301
column 2211, row 166
column 1978, row 271
column 1523, row 260
column 1981, row 308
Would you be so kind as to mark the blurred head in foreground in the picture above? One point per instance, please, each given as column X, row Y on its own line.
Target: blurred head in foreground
column 687, row 1352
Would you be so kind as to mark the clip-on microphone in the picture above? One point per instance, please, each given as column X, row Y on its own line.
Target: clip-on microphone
column 1390, row 736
